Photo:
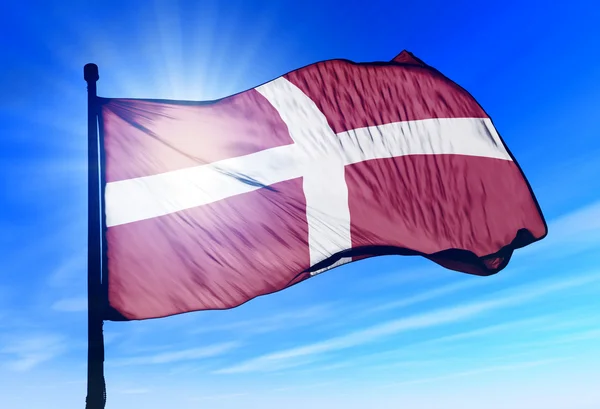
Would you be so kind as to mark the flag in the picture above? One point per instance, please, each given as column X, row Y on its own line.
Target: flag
column 210, row 204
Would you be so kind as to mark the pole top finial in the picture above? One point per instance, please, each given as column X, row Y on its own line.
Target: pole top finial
column 90, row 73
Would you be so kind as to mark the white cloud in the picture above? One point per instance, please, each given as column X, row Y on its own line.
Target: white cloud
column 585, row 335
column 478, row 371
column 71, row 270
column 430, row 294
column 75, row 304
column 402, row 277
column 287, row 319
column 310, row 386
column 491, row 329
column 110, row 336
column 134, row 391
column 569, row 234
column 395, row 358
column 177, row 356
column 438, row 317
column 26, row 352
column 223, row 396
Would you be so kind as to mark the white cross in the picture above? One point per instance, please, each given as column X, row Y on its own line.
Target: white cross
column 318, row 155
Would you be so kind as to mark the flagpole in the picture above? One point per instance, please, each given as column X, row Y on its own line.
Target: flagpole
column 95, row 370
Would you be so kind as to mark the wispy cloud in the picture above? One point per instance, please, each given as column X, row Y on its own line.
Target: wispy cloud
column 401, row 277
column 178, row 356
column 429, row 295
column 397, row 358
column 296, row 318
column 438, row 317
column 26, row 352
column 569, row 234
column 110, row 336
column 565, row 323
column 72, row 269
column 491, row 329
column 478, row 371
column 223, row 396
column 366, row 363
column 392, row 358
column 75, row 304
column 310, row 386
column 134, row 391
column 579, row 336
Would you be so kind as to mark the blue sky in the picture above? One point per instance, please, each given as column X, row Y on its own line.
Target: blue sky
column 384, row 333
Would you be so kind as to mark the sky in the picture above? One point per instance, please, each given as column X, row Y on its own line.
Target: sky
column 384, row 333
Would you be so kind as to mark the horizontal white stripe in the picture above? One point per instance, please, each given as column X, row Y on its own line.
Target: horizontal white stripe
column 450, row 136
column 151, row 196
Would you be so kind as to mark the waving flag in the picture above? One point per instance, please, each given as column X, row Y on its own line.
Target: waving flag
column 210, row 204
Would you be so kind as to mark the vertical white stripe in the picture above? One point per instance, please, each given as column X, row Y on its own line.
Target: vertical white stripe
column 327, row 211
column 307, row 125
column 340, row 262
column 324, row 184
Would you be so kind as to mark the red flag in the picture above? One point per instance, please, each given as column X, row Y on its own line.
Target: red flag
column 210, row 204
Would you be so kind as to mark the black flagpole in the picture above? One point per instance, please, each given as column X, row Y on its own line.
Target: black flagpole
column 96, row 397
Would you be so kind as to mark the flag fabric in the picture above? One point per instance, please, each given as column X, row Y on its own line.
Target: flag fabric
column 210, row 204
